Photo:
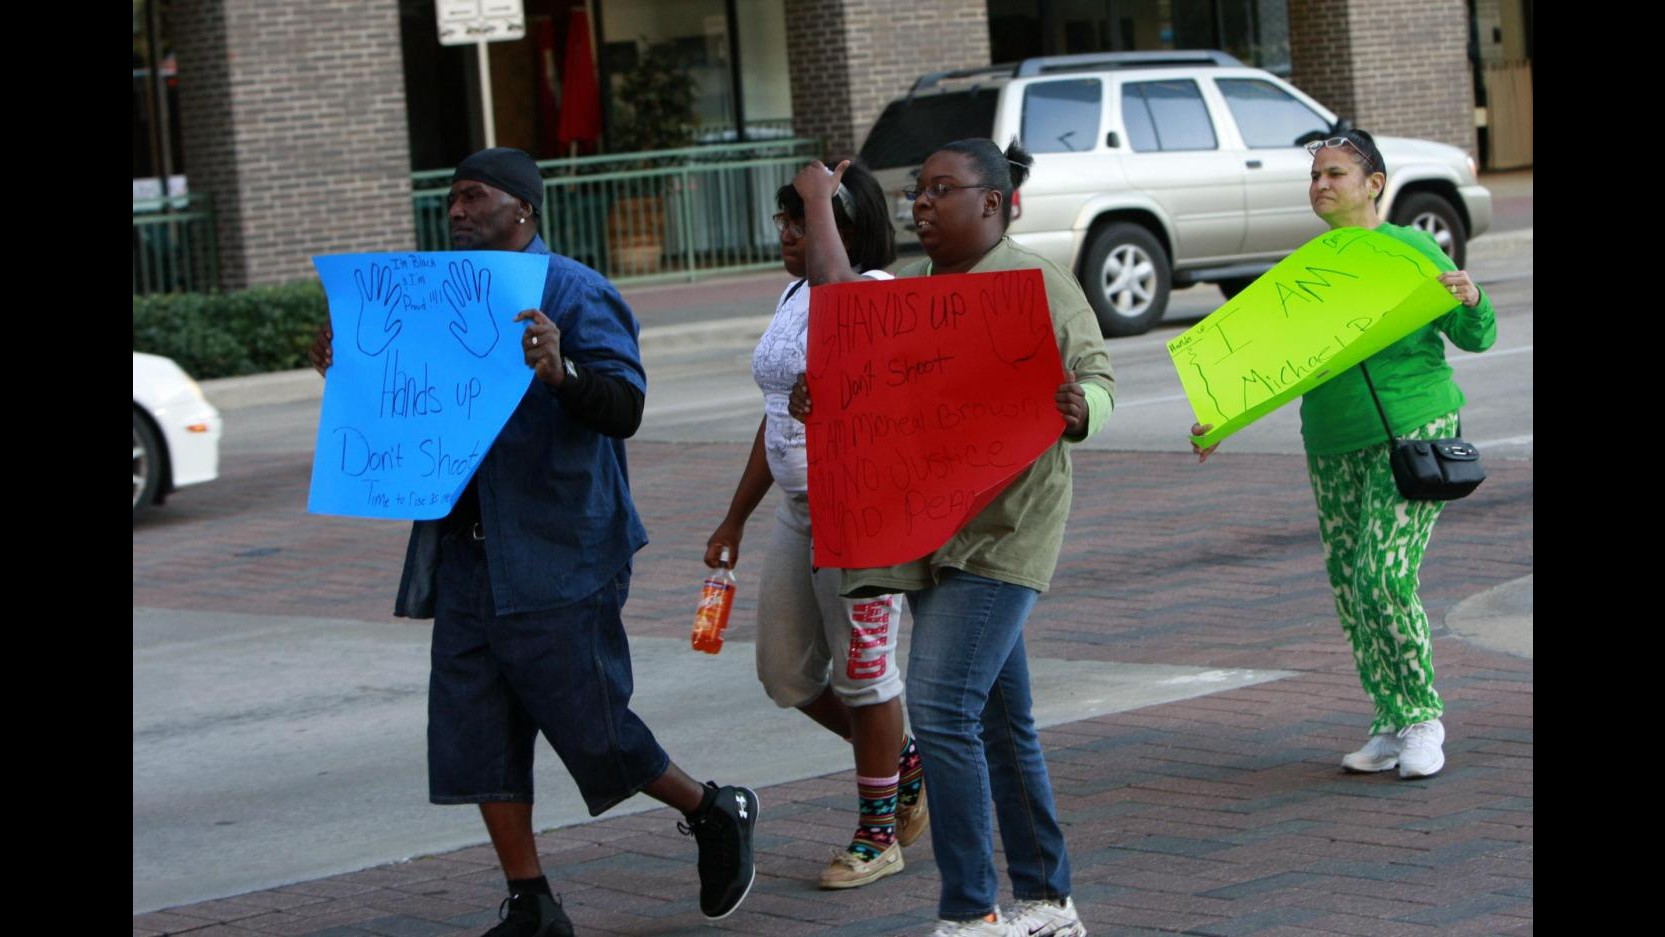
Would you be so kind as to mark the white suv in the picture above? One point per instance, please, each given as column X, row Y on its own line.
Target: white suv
column 1156, row 170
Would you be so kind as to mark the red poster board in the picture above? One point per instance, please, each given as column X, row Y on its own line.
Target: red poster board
column 931, row 394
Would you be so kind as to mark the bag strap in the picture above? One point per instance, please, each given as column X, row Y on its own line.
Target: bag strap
column 1376, row 400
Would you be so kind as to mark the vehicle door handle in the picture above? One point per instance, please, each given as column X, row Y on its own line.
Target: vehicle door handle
column 1253, row 164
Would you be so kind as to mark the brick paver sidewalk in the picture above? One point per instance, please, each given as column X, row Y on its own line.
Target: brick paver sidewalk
column 1225, row 814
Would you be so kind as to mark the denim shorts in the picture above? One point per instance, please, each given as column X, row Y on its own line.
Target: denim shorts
column 497, row 680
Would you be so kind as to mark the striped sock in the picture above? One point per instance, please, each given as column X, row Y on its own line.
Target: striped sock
column 911, row 772
column 878, row 817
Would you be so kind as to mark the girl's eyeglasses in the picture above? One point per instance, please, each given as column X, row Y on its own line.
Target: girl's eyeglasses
column 783, row 223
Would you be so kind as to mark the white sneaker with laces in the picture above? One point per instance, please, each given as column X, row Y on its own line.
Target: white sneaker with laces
column 1040, row 918
column 1421, row 754
column 999, row 927
column 1381, row 753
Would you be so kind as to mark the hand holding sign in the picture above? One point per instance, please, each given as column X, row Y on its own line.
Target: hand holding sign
column 542, row 344
column 1199, row 430
column 1072, row 405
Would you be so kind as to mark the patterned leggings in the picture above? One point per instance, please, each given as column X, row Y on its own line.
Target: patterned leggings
column 1373, row 545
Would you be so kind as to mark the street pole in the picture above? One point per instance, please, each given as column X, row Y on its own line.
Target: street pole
column 487, row 115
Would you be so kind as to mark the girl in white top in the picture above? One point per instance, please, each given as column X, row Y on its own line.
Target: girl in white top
column 830, row 657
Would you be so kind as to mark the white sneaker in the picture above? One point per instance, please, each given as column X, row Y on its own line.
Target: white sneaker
column 1041, row 918
column 999, row 927
column 1381, row 753
column 1421, row 755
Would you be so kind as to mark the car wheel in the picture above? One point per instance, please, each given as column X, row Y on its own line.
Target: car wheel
column 1231, row 286
column 1434, row 216
column 147, row 465
column 1126, row 279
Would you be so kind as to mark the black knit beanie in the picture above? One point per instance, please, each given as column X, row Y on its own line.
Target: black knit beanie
column 505, row 168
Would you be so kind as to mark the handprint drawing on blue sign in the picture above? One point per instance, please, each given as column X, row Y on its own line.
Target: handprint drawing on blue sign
column 379, row 303
column 469, row 293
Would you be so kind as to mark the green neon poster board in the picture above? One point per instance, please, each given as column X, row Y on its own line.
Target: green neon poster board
column 1337, row 300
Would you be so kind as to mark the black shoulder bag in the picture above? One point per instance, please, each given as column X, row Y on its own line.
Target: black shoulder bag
column 1430, row 469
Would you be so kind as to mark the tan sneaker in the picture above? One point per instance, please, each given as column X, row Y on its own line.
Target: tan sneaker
column 911, row 822
column 847, row 870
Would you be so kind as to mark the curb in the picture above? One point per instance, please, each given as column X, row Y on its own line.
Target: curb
column 1499, row 619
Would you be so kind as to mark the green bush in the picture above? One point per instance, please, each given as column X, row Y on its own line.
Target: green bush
column 254, row 331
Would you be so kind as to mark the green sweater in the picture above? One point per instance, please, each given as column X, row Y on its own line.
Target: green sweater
column 1411, row 376
column 1017, row 537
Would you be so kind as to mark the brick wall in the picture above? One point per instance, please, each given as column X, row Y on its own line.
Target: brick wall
column 1395, row 67
column 292, row 117
column 850, row 57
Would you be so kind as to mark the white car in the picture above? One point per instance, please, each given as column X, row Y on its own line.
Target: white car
column 1160, row 170
column 176, row 432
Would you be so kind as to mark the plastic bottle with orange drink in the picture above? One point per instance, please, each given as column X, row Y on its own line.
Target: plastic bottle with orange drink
column 716, row 601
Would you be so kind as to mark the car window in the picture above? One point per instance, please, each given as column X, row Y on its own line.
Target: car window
column 1061, row 116
column 1267, row 115
column 911, row 129
column 1166, row 115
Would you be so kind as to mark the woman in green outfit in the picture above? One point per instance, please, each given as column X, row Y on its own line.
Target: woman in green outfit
column 1374, row 538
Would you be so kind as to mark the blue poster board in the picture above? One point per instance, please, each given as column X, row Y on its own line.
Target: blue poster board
column 427, row 369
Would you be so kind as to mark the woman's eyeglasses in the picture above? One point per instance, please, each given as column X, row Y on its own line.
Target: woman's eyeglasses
column 783, row 223
column 1316, row 145
column 934, row 192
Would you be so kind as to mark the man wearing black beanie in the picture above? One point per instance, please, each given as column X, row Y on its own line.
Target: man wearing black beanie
column 526, row 578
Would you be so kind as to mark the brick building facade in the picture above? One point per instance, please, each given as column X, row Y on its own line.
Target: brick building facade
column 293, row 117
column 850, row 57
column 1394, row 67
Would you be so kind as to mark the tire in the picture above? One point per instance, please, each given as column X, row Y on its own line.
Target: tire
column 1429, row 213
column 1126, row 279
column 148, row 459
column 1231, row 286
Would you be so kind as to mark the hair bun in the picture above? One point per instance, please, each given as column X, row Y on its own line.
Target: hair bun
column 1018, row 162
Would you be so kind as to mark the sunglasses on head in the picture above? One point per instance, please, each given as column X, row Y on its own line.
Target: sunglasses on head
column 1316, row 145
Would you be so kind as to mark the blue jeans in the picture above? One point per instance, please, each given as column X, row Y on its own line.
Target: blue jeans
column 968, row 700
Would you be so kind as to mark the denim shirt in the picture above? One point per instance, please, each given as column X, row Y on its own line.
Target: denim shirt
column 555, row 499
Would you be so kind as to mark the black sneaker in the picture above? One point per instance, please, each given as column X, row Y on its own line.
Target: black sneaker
column 724, row 834
column 531, row 914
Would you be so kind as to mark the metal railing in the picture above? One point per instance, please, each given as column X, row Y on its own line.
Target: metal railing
column 660, row 215
column 173, row 245
column 636, row 217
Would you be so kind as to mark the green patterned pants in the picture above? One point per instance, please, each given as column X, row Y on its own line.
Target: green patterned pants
column 1373, row 545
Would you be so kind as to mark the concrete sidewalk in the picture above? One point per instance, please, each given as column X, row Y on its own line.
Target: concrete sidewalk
column 1222, row 814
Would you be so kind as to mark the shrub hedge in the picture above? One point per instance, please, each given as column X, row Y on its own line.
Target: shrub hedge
column 253, row 331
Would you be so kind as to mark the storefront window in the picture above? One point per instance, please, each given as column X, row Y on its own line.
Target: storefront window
column 1256, row 31
column 157, row 151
